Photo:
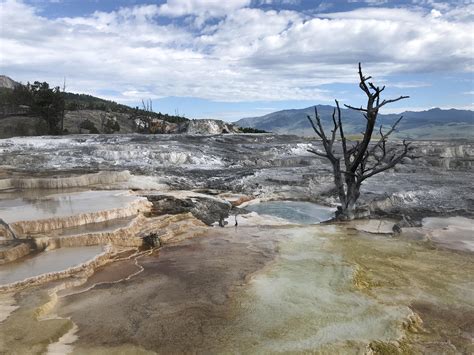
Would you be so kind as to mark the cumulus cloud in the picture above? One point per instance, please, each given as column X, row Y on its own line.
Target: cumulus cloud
column 243, row 54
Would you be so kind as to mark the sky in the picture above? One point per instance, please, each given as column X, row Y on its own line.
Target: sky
column 229, row 59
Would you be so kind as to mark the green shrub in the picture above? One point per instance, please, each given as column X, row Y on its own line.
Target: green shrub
column 251, row 130
column 89, row 125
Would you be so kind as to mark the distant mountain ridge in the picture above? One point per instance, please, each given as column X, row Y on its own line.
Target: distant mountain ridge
column 431, row 124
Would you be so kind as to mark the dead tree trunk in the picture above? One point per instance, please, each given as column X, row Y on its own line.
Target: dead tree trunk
column 361, row 159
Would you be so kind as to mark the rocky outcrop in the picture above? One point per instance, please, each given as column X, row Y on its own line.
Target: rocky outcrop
column 104, row 122
column 172, row 228
column 207, row 209
column 163, row 127
column 7, row 82
column 208, row 127
column 100, row 120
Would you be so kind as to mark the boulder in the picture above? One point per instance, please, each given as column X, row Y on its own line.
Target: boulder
column 208, row 209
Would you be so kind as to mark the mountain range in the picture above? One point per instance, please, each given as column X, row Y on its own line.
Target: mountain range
column 431, row 124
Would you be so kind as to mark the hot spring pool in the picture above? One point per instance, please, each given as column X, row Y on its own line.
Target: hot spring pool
column 298, row 212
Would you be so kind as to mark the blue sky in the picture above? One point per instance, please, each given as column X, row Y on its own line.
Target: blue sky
column 239, row 58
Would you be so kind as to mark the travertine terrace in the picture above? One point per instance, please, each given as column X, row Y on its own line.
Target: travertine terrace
column 114, row 245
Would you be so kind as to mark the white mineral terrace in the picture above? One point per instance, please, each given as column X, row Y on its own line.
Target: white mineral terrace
column 63, row 205
column 97, row 269
column 453, row 232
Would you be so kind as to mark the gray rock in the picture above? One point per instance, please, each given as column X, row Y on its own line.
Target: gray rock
column 152, row 240
column 207, row 209
column 406, row 222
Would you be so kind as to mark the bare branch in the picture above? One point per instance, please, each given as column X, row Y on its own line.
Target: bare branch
column 394, row 160
column 362, row 84
column 335, row 127
column 384, row 102
column 373, row 87
column 341, row 133
column 317, row 153
column 320, row 126
column 354, row 148
column 314, row 126
column 383, row 137
column 356, row 108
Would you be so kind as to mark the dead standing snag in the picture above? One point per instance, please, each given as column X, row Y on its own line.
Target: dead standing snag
column 361, row 159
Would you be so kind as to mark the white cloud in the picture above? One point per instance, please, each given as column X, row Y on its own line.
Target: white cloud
column 406, row 85
column 436, row 13
column 177, row 8
column 277, row 2
column 370, row 2
column 459, row 10
column 437, row 5
column 244, row 54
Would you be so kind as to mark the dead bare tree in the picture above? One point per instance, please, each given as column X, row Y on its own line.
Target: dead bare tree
column 359, row 160
column 143, row 118
column 64, row 107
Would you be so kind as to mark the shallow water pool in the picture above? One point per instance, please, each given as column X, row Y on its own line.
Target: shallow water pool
column 298, row 212
column 46, row 262
column 61, row 205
